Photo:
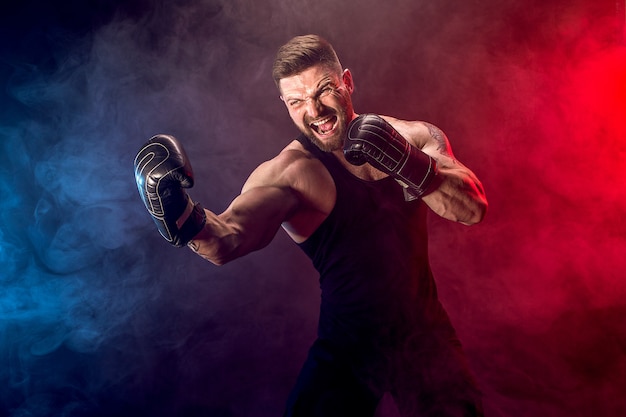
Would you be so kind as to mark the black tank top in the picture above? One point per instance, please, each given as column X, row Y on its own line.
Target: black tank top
column 372, row 256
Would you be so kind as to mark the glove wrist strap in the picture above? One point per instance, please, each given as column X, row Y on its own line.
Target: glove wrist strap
column 189, row 224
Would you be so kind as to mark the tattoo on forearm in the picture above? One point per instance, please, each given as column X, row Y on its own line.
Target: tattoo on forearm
column 442, row 142
column 439, row 136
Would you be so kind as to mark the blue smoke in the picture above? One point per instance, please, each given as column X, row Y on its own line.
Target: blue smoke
column 98, row 315
column 75, row 277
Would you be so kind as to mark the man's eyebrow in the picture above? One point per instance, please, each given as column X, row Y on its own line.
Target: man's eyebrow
column 318, row 87
column 324, row 81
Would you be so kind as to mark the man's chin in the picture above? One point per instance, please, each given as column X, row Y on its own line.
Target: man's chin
column 326, row 144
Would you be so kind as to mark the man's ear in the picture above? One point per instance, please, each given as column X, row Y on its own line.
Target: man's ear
column 347, row 80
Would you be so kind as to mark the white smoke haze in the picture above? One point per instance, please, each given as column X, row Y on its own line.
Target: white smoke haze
column 100, row 317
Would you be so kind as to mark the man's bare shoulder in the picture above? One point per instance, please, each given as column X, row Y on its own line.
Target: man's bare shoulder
column 293, row 152
column 296, row 172
column 293, row 159
column 292, row 165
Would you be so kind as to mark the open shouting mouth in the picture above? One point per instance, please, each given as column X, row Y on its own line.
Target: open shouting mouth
column 325, row 125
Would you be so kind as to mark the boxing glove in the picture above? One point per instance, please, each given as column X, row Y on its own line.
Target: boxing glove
column 162, row 172
column 371, row 139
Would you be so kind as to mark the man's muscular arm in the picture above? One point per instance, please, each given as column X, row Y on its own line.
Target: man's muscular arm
column 419, row 157
column 252, row 219
column 459, row 194
column 248, row 224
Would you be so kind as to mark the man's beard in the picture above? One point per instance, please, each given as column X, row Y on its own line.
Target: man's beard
column 329, row 146
column 335, row 142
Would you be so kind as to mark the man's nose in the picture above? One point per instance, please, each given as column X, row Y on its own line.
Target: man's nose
column 313, row 106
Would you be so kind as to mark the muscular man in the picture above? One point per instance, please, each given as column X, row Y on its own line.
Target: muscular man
column 353, row 192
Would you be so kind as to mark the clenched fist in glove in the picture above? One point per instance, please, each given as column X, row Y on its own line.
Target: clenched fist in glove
column 371, row 139
column 162, row 172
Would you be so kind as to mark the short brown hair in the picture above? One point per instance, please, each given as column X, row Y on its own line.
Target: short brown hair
column 303, row 52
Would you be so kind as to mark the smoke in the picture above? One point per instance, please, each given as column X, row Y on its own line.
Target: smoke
column 541, row 287
column 100, row 317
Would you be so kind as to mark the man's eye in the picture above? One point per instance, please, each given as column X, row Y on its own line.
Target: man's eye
column 294, row 103
column 326, row 91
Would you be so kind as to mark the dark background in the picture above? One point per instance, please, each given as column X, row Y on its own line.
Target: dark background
column 101, row 317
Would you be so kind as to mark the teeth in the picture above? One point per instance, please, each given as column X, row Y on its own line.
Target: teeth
column 321, row 122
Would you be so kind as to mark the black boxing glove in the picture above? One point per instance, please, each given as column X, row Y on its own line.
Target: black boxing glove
column 162, row 172
column 371, row 139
